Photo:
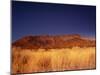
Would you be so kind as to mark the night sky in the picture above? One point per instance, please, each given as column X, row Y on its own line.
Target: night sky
column 31, row 18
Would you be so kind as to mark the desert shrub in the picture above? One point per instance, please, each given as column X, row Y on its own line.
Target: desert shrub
column 24, row 64
column 25, row 60
column 46, row 49
column 44, row 63
column 70, row 47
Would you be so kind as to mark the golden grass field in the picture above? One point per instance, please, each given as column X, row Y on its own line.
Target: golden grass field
column 41, row 60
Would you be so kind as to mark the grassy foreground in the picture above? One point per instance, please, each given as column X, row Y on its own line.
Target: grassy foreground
column 41, row 60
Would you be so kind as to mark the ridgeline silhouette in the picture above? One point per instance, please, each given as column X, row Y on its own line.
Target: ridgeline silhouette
column 53, row 41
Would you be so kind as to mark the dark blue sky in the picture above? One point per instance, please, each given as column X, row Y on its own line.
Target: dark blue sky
column 31, row 18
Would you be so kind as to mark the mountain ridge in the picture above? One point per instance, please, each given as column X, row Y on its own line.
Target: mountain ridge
column 53, row 41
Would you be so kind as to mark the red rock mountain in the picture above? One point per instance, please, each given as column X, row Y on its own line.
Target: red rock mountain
column 50, row 41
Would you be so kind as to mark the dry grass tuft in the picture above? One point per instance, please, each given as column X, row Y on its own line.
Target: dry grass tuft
column 28, row 61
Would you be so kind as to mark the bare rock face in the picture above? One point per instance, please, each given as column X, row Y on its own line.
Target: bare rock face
column 50, row 41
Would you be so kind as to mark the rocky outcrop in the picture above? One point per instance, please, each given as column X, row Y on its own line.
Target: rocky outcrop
column 50, row 41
